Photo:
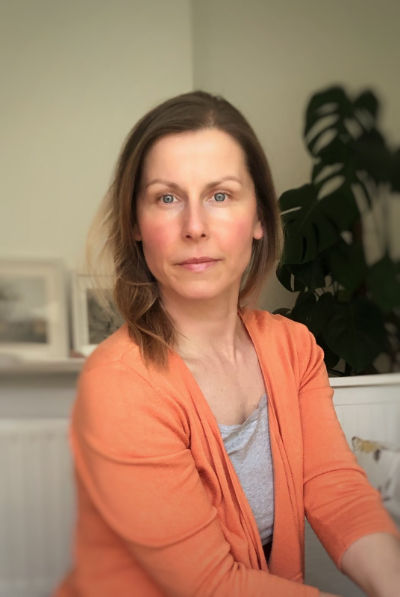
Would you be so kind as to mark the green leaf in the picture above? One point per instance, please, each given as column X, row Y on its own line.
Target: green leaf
column 286, row 278
column 312, row 311
column 331, row 359
column 384, row 284
column 347, row 263
column 322, row 312
column 307, row 231
column 308, row 275
column 303, row 309
column 334, row 122
column 342, row 176
column 367, row 102
column 372, row 156
column 329, row 102
column 301, row 217
column 395, row 171
column 326, row 172
column 337, row 150
column 310, row 224
column 341, row 208
column 356, row 332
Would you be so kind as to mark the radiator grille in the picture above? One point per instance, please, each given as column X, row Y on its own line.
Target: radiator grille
column 36, row 506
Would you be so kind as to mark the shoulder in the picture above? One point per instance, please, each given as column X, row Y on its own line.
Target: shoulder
column 112, row 374
column 289, row 348
column 283, row 341
column 106, row 372
column 117, row 391
column 278, row 326
column 115, row 349
column 115, row 375
column 119, row 352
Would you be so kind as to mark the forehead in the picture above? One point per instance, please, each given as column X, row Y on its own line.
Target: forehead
column 210, row 148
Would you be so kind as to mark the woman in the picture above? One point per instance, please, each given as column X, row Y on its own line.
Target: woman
column 203, row 431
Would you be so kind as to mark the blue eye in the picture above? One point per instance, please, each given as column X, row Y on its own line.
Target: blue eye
column 167, row 198
column 219, row 196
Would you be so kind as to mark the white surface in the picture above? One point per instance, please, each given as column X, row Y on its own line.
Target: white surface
column 359, row 381
column 18, row 367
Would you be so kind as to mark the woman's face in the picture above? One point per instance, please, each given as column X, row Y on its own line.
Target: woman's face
column 197, row 215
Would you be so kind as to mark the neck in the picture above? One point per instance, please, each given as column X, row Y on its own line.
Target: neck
column 206, row 327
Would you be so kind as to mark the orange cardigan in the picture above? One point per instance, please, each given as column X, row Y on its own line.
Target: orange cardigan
column 161, row 511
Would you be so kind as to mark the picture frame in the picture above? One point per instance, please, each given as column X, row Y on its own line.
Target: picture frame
column 33, row 309
column 91, row 323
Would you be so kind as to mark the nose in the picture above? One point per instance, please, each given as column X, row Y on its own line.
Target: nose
column 195, row 225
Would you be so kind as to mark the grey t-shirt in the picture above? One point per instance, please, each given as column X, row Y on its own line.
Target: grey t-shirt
column 248, row 447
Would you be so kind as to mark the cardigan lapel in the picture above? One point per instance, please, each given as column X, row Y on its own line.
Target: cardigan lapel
column 286, row 554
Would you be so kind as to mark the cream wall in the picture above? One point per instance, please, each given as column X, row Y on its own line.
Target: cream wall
column 76, row 76
column 268, row 56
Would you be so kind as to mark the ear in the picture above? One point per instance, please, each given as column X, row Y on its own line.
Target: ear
column 258, row 231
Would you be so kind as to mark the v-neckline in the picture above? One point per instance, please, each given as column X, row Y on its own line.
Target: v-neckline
column 250, row 418
column 193, row 382
column 205, row 409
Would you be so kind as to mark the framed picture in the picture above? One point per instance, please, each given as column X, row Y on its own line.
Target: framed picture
column 33, row 309
column 92, row 323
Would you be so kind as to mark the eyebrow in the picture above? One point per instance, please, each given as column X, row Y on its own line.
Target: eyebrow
column 176, row 186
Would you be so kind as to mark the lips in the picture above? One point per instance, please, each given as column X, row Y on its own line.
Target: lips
column 194, row 260
column 198, row 265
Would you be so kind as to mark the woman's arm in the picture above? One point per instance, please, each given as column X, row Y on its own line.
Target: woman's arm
column 373, row 563
column 340, row 503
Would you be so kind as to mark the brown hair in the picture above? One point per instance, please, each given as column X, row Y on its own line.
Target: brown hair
column 134, row 289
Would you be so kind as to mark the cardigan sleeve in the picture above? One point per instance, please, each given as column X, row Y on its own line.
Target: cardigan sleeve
column 131, row 445
column 340, row 504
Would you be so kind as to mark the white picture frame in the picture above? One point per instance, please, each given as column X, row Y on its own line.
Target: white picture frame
column 33, row 309
column 90, row 323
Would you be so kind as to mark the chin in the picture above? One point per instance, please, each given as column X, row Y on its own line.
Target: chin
column 197, row 292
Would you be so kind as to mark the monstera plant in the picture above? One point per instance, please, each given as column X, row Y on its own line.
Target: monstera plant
column 350, row 303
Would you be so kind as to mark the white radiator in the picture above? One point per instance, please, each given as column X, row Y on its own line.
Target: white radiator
column 36, row 506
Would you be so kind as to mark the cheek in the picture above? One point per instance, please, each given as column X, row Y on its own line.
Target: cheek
column 239, row 234
column 156, row 239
